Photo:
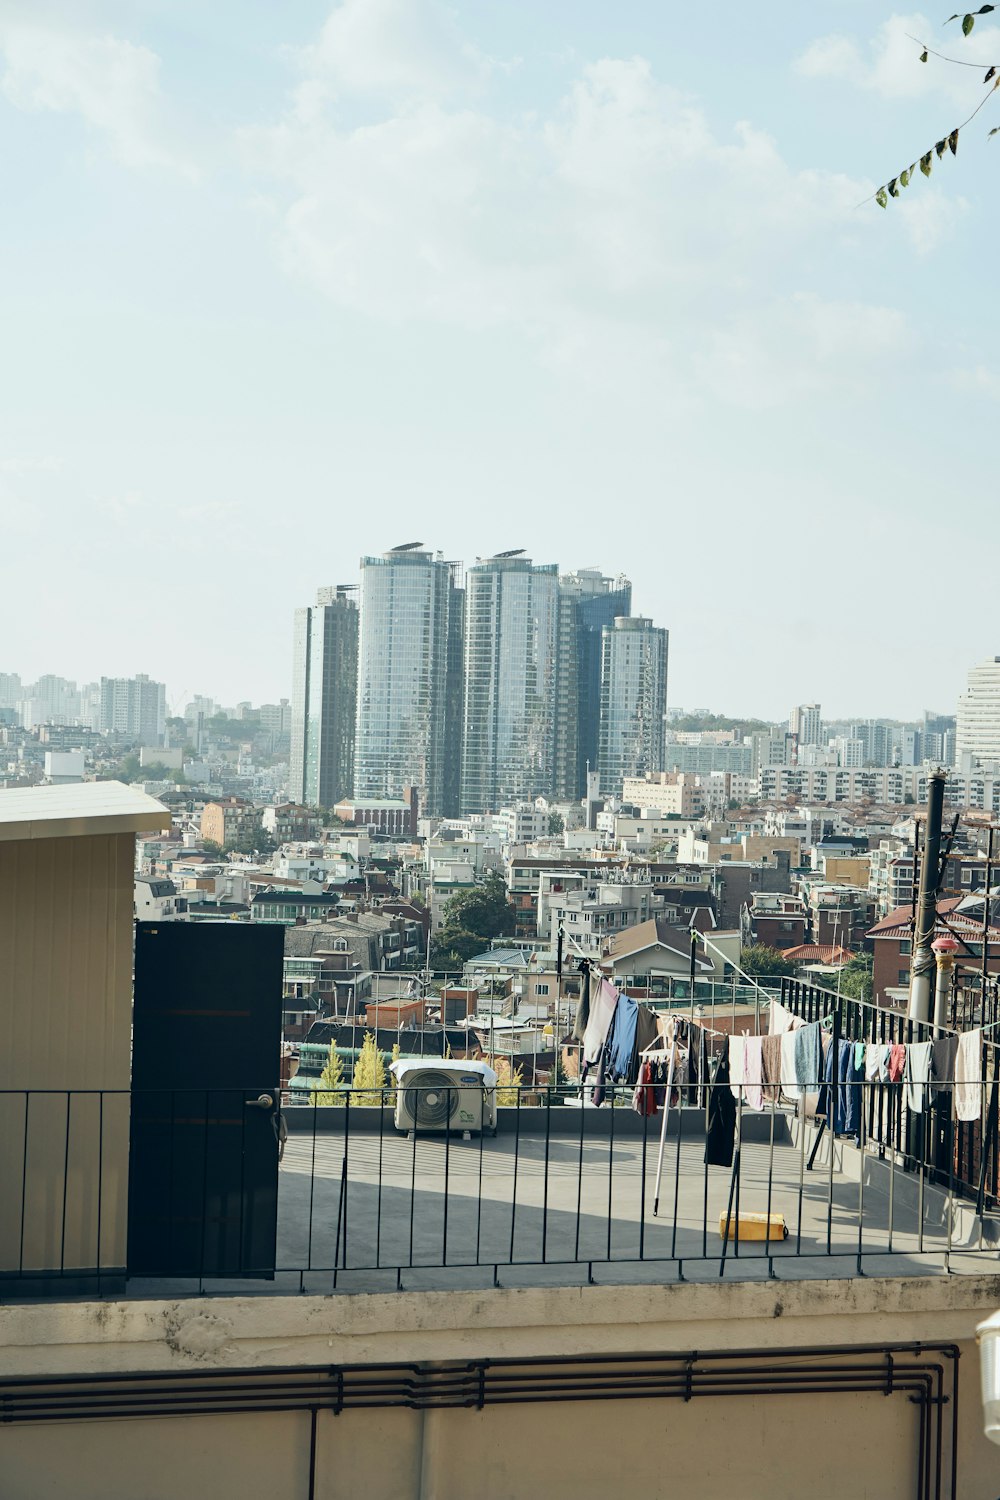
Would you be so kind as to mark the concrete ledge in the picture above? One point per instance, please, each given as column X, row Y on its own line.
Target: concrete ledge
column 236, row 1332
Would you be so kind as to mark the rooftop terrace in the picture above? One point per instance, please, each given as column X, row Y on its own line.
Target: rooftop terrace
column 561, row 1196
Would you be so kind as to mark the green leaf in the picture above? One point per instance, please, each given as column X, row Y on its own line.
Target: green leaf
column 984, row 10
column 904, row 178
column 953, row 142
column 926, row 162
column 881, row 198
column 923, row 55
column 994, row 131
column 892, row 188
column 941, row 146
column 954, row 17
column 989, row 74
column 967, row 24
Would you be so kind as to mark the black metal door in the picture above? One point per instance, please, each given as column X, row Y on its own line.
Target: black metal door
column 203, row 1164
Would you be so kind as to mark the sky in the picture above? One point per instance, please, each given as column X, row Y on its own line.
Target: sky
column 285, row 285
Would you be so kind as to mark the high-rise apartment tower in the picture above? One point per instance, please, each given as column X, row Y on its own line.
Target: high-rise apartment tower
column 324, row 699
column 633, row 701
column 977, row 730
column 407, row 731
column 511, row 677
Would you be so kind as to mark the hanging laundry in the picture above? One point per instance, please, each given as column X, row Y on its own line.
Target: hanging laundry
column 583, row 1005
column 753, row 1064
column 917, row 1072
column 943, row 1068
column 603, row 1002
column 876, row 1062
column 721, row 1130
column 808, row 1074
column 644, row 1097
column 647, row 1028
column 621, row 1063
column 695, row 1066
column 781, row 1019
column 969, row 1076
column 840, row 1096
column 789, row 1084
column 600, row 1081
column 897, row 1061
column 859, row 1055
column 737, row 1070
column 771, row 1066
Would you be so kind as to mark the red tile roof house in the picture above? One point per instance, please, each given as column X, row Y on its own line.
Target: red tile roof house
column 960, row 917
column 817, row 953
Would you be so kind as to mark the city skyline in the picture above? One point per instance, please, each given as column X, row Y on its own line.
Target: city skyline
column 219, row 325
column 176, row 701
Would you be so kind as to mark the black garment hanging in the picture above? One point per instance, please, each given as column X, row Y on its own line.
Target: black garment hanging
column 721, row 1132
column 583, row 1006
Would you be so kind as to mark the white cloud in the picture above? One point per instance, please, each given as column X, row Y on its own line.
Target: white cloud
column 43, row 464
column 622, row 234
column 403, row 50
column 890, row 63
column 112, row 84
column 930, row 218
column 980, row 380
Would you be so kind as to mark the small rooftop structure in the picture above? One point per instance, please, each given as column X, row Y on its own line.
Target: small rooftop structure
column 78, row 809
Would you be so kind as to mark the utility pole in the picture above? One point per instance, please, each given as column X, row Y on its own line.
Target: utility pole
column 922, row 964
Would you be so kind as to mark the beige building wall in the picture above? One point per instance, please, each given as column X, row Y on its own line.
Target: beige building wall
column 844, row 870
column 213, row 823
column 839, row 1447
column 67, row 856
column 65, row 1035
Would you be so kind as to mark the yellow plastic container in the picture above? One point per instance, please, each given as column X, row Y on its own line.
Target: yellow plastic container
column 754, row 1227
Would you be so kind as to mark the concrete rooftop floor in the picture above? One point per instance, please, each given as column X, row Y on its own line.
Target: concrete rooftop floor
column 423, row 1213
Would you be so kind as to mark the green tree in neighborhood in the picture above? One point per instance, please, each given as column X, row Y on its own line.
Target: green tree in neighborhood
column 214, row 849
column 252, row 838
column 557, row 824
column 369, row 1073
column 331, row 1080
column 855, row 978
column 762, row 962
column 472, row 919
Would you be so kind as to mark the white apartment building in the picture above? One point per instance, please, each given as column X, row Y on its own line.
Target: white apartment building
column 880, row 784
column 978, row 721
column 806, row 722
column 597, row 909
column 522, row 823
column 676, row 792
column 133, row 706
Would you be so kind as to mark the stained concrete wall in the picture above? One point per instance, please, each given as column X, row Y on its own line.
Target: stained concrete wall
column 849, row 1446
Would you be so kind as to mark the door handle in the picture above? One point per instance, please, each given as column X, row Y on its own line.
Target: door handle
column 262, row 1101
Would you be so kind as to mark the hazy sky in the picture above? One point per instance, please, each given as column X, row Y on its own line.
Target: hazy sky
column 284, row 284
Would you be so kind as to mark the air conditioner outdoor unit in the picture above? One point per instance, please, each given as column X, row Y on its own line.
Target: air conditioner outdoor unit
column 445, row 1096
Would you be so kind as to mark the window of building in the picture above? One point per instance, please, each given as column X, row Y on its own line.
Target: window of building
column 541, row 989
column 904, row 977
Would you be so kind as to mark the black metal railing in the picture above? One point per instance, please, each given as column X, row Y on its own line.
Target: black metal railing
column 226, row 1193
column 966, row 1153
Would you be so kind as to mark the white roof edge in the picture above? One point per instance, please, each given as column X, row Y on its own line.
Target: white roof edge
column 77, row 810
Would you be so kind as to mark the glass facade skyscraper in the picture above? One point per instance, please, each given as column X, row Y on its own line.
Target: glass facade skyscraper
column 633, row 701
column 591, row 602
column 324, row 696
column 511, row 673
column 407, row 732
